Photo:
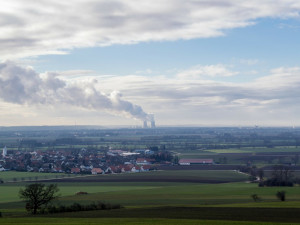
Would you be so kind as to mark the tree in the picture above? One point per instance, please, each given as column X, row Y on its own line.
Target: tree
column 282, row 173
column 281, row 195
column 176, row 160
column 255, row 197
column 281, row 176
column 295, row 159
column 260, row 174
column 38, row 196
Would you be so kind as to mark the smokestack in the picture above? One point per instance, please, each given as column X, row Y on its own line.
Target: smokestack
column 145, row 124
column 151, row 119
column 4, row 152
column 152, row 124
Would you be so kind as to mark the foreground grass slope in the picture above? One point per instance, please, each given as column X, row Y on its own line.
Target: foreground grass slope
column 127, row 221
column 168, row 202
column 121, row 182
column 13, row 176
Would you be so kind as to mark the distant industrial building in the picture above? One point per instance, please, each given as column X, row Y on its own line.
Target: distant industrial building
column 187, row 162
column 150, row 119
column 4, row 152
column 145, row 124
column 152, row 124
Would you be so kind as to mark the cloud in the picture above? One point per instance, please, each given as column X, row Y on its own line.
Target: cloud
column 269, row 100
column 42, row 27
column 24, row 86
column 208, row 71
column 249, row 62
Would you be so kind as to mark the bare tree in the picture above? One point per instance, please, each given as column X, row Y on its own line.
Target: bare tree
column 281, row 195
column 38, row 196
column 282, row 173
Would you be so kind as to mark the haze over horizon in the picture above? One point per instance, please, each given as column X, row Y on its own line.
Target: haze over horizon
column 96, row 62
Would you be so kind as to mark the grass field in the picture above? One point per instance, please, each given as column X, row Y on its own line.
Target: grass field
column 13, row 176
column 256, row 150
column 135, row 195
column 194, row 176
column 127, row 221
column 166, row 202
column 123, row 182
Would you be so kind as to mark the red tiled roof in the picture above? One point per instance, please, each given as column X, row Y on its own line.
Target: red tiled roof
column 97, row 170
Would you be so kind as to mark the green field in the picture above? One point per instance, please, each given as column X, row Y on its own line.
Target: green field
column 94, row 184
column 168, row 194
column 126, row 221
column 13, row 176
column 167, row 202
column 195, row 176
column 256, row 150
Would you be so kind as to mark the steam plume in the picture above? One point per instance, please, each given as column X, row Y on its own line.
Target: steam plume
column 22, row 85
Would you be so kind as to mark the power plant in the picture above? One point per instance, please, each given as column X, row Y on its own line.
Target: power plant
column 151, row 120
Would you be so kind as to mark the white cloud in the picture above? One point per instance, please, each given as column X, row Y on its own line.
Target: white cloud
column 206, row 71
column 24, row 86
column 249, row 62
column 270, row 100
column 31, row 28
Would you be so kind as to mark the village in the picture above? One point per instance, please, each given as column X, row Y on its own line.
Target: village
column 84, row 161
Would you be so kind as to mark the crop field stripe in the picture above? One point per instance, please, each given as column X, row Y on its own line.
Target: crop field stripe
column 289, row 215
column 126, row 221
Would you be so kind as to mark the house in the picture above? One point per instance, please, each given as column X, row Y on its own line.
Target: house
column 75, row 170
column 136, row 169
column 187, row 162
column 142, row 161
column 97, row 171
column 144, row 151
column 126, row 168
column 113, row 169
column 57, row 170
column 145, row 168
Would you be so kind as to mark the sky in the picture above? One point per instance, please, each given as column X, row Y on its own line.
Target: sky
column 120, row 62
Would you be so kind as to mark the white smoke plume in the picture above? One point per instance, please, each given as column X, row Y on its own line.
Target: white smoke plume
column 22, row 85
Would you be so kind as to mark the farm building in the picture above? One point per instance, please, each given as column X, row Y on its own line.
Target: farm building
column 143, row 161
column 187, row 162
column 97, row 171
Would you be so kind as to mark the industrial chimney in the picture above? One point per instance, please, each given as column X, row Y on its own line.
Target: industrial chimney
column 145, row 124
column 152, row 124
column 4, row 152
column 152, row 121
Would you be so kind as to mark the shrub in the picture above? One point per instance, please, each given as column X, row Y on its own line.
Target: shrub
column 275, row 182
column 255, row 197
column 75, row 207
column 281, row 195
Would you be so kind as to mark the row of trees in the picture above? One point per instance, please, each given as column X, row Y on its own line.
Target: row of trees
column 281, row 176
column 280, row 195
column 39, row 196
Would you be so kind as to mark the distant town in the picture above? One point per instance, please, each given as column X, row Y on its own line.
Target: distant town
column 83, row 161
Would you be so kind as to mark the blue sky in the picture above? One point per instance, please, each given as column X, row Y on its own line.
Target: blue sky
column 206, row 63
column 269, row 43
